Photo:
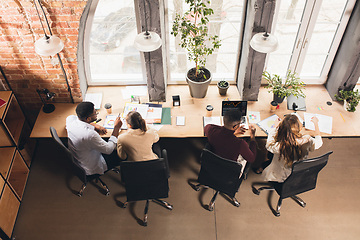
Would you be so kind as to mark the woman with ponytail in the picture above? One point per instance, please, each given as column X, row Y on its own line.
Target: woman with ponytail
column 137, row 142
column 288, row 145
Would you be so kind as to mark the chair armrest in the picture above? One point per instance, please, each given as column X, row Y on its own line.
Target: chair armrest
column 164, row 156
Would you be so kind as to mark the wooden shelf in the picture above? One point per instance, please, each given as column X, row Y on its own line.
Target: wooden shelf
column 9, row 206
column 16, row 150
column 7, row 155
column 14, row 119
column 2, row 183
column 18, row 175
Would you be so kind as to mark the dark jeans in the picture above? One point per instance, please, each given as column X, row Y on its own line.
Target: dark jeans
column 112, row 160
column 267, row 163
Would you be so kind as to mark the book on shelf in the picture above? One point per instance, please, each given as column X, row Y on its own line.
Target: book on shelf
column 2, row 102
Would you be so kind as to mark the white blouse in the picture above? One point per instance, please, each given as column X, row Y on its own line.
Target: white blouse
column 277, row 171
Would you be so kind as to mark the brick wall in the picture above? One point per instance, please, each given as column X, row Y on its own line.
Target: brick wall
column 28, row 71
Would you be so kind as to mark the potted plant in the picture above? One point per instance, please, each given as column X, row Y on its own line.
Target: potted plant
column 193, row 29
column 351, row 99
column 223, row 87
column 281, row 89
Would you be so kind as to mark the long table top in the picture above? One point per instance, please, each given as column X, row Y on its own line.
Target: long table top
column 344, row 123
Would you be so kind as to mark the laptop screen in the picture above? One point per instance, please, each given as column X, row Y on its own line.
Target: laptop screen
column 231, row 105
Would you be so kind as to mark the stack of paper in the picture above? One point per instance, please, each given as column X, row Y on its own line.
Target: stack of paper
column 325, row 122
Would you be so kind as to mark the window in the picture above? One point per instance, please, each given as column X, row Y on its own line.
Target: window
column 226, row 23
column 309, row 33
column 112, row 59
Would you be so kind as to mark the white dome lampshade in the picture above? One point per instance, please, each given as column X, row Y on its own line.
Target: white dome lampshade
column 264, row 42
column 48, row 46
column 147, row 41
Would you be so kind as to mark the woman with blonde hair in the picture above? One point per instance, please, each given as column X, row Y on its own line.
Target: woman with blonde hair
column 288, row 145
column 136, row 144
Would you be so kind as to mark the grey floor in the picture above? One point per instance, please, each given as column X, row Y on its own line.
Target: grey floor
column 51, row 210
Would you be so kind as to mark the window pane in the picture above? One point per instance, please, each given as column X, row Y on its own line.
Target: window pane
column 113, row 59
column 225, row 23
column 313, row 65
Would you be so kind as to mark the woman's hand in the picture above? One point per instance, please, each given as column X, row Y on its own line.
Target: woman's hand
column 252, row 131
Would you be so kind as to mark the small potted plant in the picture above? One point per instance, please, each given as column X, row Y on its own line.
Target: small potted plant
column 223, row 87
column 281, row 89
column 193, row 30
column 351, row 99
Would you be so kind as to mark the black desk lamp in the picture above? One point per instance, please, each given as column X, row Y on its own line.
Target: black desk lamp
column 48, row 107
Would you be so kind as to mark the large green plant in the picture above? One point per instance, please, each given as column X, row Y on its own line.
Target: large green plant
column 291, row 85
column 351, row 97
column 193, row 28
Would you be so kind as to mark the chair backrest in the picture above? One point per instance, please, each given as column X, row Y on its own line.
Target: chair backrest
column 78, row 170
column 219, row 173
column 146, row 179
column 303, row 176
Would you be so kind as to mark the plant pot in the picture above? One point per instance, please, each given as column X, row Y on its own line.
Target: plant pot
column 222, row 89
column 349, row 107
column 198, row 89
column 278, row 99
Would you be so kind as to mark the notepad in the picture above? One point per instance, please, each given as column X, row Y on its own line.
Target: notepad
column 212, row 120
column 325, row 122
column 180, row 120
column 110, row 120
column 268, row 123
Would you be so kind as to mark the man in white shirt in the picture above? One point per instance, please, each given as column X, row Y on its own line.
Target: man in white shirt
column 92, row 152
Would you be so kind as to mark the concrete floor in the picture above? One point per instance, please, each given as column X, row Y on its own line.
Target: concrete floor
column 51, row 210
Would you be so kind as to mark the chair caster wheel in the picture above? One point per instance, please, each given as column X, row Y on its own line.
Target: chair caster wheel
column 255, row 191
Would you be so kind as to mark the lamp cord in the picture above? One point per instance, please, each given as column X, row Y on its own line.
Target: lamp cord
column 66, row 79
column 42, row 25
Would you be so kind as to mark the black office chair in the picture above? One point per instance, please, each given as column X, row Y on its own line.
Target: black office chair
column 220, row 174
column 302, row 179
column 146, row 180
column 78, row 170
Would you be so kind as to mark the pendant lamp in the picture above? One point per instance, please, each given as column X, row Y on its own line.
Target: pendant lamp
column 50, row 45
column 147, row 41
column 264, row 42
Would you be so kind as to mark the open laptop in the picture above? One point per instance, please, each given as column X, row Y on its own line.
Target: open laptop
column 238, row 105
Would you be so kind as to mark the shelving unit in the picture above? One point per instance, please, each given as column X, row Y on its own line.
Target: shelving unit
column 16, row 150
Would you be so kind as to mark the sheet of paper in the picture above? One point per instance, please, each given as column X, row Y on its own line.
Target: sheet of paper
column 157, row 127
column 254, row 117
column 140, row 108
column 325, row 122
column 267, row 124
column 154, row 113
column 212, row 120
column 133, row 90
column 95, row 98
column 110, row 120
column 180, row 120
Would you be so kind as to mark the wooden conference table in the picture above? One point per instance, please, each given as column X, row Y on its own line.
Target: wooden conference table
column 345, row 124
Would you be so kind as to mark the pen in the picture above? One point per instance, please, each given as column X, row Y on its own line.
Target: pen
column 342, row 117
column 98, row 120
